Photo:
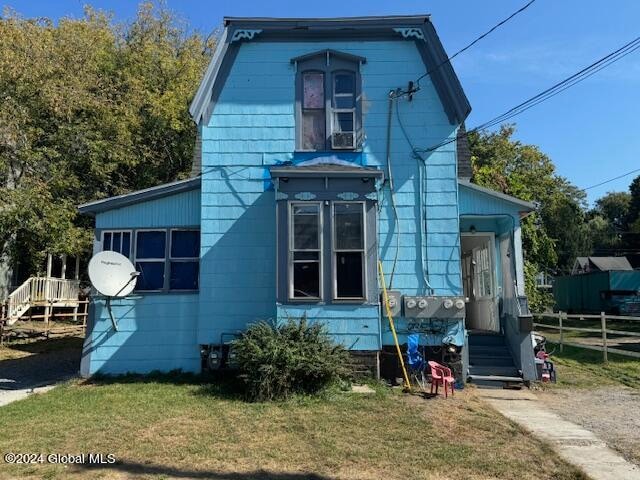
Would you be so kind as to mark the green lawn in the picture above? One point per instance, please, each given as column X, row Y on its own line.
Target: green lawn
column 182, row 427
column 579, row 367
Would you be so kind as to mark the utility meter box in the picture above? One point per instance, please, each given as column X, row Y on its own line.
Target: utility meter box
column 395, row 303
column 434, row 307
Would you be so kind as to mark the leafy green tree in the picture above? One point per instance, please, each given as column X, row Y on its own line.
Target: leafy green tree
column 633, row 219
column 90, row 109
column 609, row 219
column 556, row 233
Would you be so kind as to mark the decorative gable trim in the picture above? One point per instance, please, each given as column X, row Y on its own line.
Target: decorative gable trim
column 244, row 34
column 410, row 32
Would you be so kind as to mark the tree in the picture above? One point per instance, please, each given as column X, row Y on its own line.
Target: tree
column 609, row 219
column 90, row 109
column 633, row 219
column 556, row 233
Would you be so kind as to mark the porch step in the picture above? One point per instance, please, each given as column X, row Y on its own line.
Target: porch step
column 495, row 381
column 486, row 340
column 501, row 359
column 490, row 361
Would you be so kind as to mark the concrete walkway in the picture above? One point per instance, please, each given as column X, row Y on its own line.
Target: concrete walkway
column 10, row 396
column 572, row 442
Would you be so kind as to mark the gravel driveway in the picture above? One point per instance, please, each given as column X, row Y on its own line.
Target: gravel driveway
column 612, row 413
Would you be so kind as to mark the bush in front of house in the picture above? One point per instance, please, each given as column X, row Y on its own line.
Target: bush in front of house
column 277, row 361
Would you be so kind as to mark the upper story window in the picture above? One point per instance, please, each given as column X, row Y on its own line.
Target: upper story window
column 328, row 101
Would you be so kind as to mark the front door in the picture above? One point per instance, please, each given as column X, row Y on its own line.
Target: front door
column 479, row 282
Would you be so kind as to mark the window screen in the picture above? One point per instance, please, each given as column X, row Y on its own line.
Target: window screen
column 305, row 250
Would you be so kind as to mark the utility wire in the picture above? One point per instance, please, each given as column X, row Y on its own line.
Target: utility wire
column 612, row 179
column 488, row 32
column 568, row 82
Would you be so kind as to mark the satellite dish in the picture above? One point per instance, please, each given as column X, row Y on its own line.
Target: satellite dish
column 112, row 275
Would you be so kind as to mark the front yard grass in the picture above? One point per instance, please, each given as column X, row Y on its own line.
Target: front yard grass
column 582, row 368
column 185, row 427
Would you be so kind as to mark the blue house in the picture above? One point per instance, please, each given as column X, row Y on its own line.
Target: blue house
column 324, row 146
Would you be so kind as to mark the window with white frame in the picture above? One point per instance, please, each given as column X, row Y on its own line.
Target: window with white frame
column 305, row 250
column 343, row 240
column 167, row 259
column 348, row 250
column 117, row 241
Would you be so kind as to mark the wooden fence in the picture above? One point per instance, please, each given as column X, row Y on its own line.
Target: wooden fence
column 560, row 324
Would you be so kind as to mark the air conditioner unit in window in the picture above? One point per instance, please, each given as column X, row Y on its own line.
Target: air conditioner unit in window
column 343, row 140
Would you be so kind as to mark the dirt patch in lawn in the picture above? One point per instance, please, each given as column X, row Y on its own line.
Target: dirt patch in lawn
column 169, row 428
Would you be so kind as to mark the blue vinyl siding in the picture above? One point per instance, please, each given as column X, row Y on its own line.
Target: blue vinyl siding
column 179, row 210
column 253, row 126
column 356, row 327
column 156, row 331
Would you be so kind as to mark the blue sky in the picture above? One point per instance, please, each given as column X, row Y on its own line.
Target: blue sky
column 590, row 130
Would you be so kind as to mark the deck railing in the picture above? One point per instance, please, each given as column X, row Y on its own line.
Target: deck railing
column 602, row 331
column 41, row 291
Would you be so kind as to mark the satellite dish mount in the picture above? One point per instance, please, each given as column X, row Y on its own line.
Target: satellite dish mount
column 114, row 276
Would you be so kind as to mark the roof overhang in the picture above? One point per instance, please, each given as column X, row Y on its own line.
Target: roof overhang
column 524, row 206
column 139, row 196
column 325, row 170
column 416, row 28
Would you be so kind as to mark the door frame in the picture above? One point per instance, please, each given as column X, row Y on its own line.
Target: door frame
column 491, row 238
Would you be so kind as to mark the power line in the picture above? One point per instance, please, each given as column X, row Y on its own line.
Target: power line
column 612, row 179
column 467, row 47
column 568, row 82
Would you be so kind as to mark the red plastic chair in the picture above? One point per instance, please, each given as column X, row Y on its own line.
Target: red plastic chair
column 441, row 375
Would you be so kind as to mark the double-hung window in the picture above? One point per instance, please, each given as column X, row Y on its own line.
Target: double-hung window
column 117, row 241
column 342, row 243
column 348, row 250
column 328, row 103
column 305, row 247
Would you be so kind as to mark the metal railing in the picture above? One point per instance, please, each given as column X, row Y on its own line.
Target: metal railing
column 603, row 331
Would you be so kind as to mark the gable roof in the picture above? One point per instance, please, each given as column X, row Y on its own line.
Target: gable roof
column 416, row 28
column 602, row 264
column 138, row 196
